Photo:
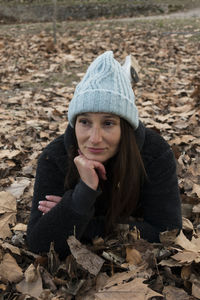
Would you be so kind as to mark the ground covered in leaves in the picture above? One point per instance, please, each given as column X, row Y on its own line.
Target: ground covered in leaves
column 37, row 83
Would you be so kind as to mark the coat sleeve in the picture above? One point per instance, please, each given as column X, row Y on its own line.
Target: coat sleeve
column 160, row 200
column 66, row 218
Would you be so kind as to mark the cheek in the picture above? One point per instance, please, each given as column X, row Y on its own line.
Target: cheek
column 118, row 137
column 80, row 135
column 116, row 140
column 77, row 133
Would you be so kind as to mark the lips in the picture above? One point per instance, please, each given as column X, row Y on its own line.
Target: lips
column 95, row 150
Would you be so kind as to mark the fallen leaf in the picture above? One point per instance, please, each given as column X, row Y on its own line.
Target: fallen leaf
column 196, row 189
column 101, row 280
column 196, row 289
column 17, row 188
column 134, row 289
column 186, row 257
column 170, row 263
column 30, row 274
column 9, row 270
column 137, row 272
column 33, row 287
column 174, row 293
column 182, row 241
column 88, row 260
column 133, row 256
column 9, row 154
column 7, row 202
column 196, row 209
column 8, row 211
column 186, row 272
column 187, row 224
column 3, row 287
column 13, row 249
column 168, row 237
column 5, row 220
column 20, row 227
column 196, row 242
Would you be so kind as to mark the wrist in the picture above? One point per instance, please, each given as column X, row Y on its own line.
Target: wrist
column 90, row 185
column 84, row 197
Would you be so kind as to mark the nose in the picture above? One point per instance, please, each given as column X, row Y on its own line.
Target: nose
column 95, row 135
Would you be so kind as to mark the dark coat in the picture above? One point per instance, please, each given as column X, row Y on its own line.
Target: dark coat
column 83, row 209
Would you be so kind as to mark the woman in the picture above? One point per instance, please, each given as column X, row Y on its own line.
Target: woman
column 105, row 169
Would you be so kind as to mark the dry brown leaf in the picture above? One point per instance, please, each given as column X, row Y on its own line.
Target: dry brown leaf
column 88, row 260
column 133, row 256
column 182, row 109
column 30, row 274
column 101, row 280
column 1, row 47
column 196, row 209
column 187, row 257
column 170, row 263
column 9, row 154
column 20, row 227
column 7, row 203
column 196, row 289
column 13, row 249
column 168, row 237
column 32, row 287
column 182, row 241
column 3, row 287
column 186, row 272
column 183, row 139
column 134, row 289
column 187, row 224
column 8, row 211
column 151, row 96
column 138, row 272
column 9, row 269
column 174, row 293
column 17, row 188
column 5, row 220
column 196, row 189
column 196, row 241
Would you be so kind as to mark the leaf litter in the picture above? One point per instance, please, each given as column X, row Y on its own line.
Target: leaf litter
column 37, row 82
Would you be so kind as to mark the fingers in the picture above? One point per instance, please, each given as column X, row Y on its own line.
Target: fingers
column 95, row 165
column 87, row 172
column 79, row 152
column 53, row 198
column 101, row 170
column 46, row 206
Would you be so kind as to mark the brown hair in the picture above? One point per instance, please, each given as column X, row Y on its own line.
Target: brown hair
column 126, row 173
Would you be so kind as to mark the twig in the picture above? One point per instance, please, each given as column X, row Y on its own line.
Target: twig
column 54, row 20
column 155, row 260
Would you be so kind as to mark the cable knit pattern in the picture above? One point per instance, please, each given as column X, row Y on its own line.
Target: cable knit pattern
column 104, row 88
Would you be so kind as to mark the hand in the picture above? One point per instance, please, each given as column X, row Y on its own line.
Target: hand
column 46, row 205
column 90, row 171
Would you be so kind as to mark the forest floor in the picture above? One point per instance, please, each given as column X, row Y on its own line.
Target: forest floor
column 37, row 82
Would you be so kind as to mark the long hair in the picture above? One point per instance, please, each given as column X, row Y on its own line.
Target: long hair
column 126, row 174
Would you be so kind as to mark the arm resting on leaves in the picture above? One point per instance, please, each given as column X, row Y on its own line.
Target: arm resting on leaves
column 71, row 215
column 160, row 199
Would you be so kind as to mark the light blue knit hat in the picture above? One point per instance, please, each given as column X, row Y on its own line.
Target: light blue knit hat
column 104, row 88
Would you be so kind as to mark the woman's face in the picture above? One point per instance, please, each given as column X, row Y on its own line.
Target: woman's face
column 98, row 135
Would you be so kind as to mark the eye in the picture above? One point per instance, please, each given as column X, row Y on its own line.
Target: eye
column 109, row 123
column 83, row 121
